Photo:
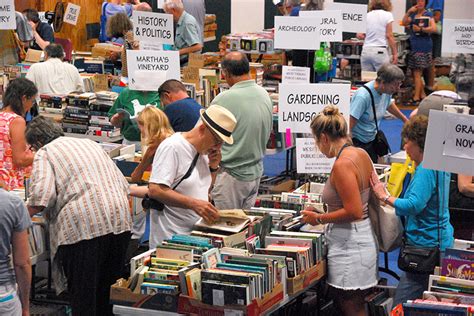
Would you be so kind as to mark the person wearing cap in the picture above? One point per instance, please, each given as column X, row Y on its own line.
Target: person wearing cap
column 196, row 153
column 238, row 179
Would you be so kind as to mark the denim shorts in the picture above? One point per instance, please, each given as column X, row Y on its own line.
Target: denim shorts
column 352, row 255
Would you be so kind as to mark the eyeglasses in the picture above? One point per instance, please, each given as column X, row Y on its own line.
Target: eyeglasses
column 217, row 139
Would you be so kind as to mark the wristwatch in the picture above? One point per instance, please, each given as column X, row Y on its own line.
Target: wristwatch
column 214, row 169
column 386, row 198
column 319, row 221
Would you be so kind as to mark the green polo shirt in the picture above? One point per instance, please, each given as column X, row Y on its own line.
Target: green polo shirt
column 129, row 127
column 252, row 107
column 188, row 32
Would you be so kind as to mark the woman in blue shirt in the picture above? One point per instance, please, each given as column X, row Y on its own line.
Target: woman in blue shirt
column 421, row 23
column 424, row 203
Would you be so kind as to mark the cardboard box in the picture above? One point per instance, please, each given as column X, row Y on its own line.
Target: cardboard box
column 285, row 186
column 302, row 281
column 188, row 305
column 120, row 294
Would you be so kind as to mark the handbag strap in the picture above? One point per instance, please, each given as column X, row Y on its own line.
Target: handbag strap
column 373, row 106
column 440, row 198
column 188, row 173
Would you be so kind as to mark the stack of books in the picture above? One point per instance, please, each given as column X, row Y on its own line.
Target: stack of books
column 210, row 26
column 301, row 250
column 237, row 279
column 37, row 237
column 99, row 120
column 52, row 105
column 77, row 112
column 158, row 272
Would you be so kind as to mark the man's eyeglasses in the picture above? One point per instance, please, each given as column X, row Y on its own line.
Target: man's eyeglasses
column 217, row 139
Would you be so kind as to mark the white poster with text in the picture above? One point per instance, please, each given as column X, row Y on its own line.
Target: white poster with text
column 460, row 137
column 300, row 103
column 354, row 16
column 71, row 15
column 296, row 33
column 7, row 15
column 458, row 36
column 295, row 74
column 449, row 143
column 309, row 159
column 329, row 23
column 147, row 69
column 153, row 27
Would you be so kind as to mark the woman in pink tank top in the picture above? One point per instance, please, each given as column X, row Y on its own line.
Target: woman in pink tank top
column 15, row 156
column 352, row 248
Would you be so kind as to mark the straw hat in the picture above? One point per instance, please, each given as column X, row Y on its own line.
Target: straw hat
column 221, row 121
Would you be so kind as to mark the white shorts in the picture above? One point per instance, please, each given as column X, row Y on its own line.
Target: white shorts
column 373, row 57
column 10, row 304
column 352, row 256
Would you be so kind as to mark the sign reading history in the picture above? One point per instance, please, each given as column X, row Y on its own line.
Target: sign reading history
column 147, row 69
column 329, row 24
column 300, row 103
column 153, row 27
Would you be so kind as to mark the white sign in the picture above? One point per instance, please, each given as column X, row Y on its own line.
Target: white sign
column 296, row 33
column 329, row 24
column 299, row 103
column 460, row 137
column 449, row 143
column 295, row 74
column 7, row 15
column 246, row 16
column 309, row 159
column 458, row 36
column 72, row 13
column 354, row 16
column 148, row 69
column 153, row 27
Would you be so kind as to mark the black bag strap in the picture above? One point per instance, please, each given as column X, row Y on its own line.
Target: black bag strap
column 373, row 106
column 188, row 173
column 440, row 200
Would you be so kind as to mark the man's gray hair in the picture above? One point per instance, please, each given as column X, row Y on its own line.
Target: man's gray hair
column 173, row 4
column 41, row 131
column 293, row 3
column 390, row 73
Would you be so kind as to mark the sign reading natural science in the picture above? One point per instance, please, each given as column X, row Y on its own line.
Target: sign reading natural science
column 300, row 103
column 147, row 69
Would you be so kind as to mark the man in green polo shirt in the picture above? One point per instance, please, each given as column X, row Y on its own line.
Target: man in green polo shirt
column 238, row 179
column 188, row 33
column 126, row 99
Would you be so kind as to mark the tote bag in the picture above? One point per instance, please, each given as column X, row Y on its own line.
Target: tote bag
column 398, row 175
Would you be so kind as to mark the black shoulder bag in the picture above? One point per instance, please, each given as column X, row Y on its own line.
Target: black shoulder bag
column 149, row 203
column 380, row 142
column 420, row 260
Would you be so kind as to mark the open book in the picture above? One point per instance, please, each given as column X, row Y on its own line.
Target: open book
column 232, row 221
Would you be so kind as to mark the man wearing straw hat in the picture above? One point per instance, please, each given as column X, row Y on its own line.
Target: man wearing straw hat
column 183, row 170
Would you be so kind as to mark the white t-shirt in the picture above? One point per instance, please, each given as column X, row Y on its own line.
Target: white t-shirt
column 55, row 76
column 172, row 159
column 377, row 21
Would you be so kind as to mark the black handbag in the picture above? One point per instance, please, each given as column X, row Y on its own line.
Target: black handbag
column 380, row 142
column 149, row 203
column 416, row 259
